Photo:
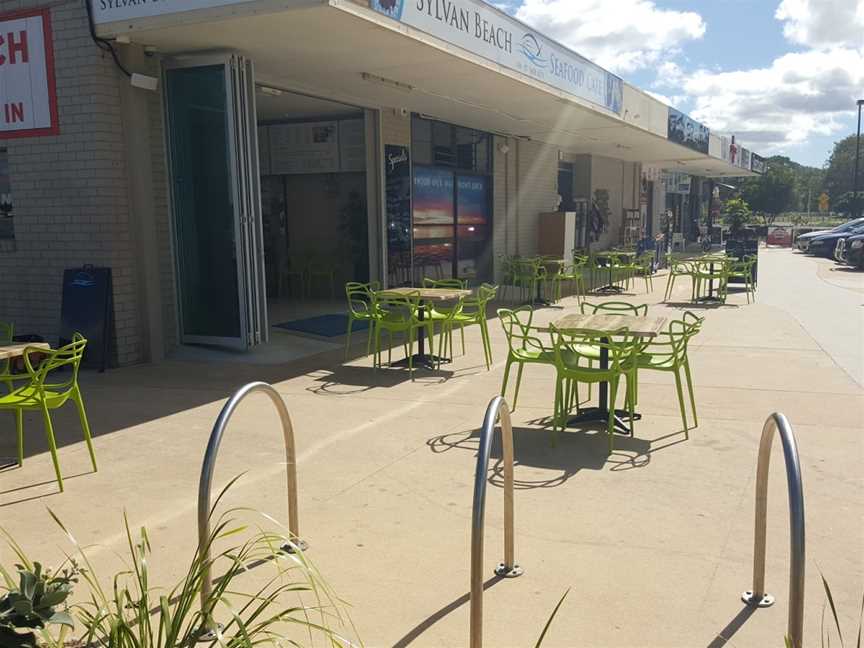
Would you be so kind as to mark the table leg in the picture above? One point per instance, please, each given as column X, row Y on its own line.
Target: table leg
column 600, row 414
column 421, row 335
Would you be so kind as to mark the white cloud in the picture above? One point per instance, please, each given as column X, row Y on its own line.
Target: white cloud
column 823, row 23
column 799, row 95
column 621, row 35
column 660, row 97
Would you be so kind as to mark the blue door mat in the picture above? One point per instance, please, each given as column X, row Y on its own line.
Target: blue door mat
column 322, row 325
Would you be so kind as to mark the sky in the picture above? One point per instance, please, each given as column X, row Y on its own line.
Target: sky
column 781, row 75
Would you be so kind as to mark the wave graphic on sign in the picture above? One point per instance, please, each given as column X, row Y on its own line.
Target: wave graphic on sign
column 392, row 8
column 532, row 50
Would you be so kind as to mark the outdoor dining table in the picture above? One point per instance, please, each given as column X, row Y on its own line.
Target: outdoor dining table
column 611, row 287
column 427, row 296
column 642, row 327
column 9, row 352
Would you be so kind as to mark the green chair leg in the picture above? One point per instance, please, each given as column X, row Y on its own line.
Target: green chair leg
column 85, row 426
column 506, row 378
column 692, row 395
column 681, row 400
column 52, row 446
column 518, row 383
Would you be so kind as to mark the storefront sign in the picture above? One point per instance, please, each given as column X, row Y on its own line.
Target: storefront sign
column 107, row 11
column 744, row 158
column 28, row 96
column 757, row 164
column 484, row 30
column 688, row 132
column 675, row 182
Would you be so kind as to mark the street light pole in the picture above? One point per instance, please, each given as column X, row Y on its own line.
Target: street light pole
column 856, row 211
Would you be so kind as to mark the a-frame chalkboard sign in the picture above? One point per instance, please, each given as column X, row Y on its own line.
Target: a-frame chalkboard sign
column 88, row 308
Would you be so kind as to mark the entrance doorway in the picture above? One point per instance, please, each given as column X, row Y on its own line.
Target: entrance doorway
column 314, row 202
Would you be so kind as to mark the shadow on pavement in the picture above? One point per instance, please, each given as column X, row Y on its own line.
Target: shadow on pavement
column 732, row 627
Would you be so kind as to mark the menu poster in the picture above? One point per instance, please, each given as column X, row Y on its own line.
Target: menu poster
column 304, row 148
column 352, row 145
column 397, row 191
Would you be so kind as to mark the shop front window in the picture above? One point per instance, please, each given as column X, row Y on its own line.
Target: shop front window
column 7, row 213
column 452, row 190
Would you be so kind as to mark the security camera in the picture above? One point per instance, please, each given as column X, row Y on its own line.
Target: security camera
column 404, row 112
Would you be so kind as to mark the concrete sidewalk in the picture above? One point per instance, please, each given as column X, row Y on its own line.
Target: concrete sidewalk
column 654, row 541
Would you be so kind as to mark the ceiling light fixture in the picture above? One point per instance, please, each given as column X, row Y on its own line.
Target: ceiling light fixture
column 273, row 92
column 389, row 83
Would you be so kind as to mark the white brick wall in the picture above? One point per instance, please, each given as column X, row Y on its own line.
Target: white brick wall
column 70, row 191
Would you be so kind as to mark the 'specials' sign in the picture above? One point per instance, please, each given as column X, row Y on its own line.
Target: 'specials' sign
column 107, row 11
column 483, row 30
column 28, row 98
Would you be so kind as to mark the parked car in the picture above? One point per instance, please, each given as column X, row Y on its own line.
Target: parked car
column 850, row 251
column 803, row 241
column 824, row 245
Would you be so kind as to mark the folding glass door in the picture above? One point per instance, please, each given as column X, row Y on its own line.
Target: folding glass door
column 216, row 195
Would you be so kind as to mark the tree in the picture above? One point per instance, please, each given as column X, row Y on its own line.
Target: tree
column 772, row 193
column 840, row 168
column 736, row 214
column 845, row 204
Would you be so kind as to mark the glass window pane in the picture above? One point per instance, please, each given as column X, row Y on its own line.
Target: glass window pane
column 204, row 212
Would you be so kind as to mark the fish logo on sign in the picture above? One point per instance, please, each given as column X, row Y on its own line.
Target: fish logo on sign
column 532, row 50
column 392, row 8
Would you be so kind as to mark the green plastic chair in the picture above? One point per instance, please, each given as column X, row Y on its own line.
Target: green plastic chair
column 400, row 314
column 616, row 308
column 523, row 345
column 568, row 356
column 743, row 270
column 703, row 274
column 319, row 269
column 679, row 269
column 46, row 391
column 525, row 275
column 473, row 311
column 668, row 352
column 644, row 267
column 361, row 298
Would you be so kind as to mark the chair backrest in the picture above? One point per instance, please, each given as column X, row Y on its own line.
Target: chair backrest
column 45, row 376
column 360, row 298
column 460, row 284
column 397, row 309
column 583, row 345
column 520, row 333
column 637, row 310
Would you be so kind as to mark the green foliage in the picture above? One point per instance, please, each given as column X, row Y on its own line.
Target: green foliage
column 772, row 193
column 736, row 214
column 280, row 609
column 840, row 168
column 845, row 204
column 826, row 633
column 551, row 618
column 37, row 601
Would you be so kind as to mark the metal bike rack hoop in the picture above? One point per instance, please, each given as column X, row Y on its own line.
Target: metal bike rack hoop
column 209, row 466
column 757, row 597
column 507, row 569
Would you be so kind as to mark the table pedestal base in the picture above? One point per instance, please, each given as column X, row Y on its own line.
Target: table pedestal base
column 609, row 290
column 601, row 415
column 422, row 361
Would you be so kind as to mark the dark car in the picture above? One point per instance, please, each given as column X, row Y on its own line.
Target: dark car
column 851, row 251
column 803, row 241
column 824, row 245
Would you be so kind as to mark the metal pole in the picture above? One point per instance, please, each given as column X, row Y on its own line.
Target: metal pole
column 209, row 466
column 757, row 597
column 856, row 210
column 508, row 569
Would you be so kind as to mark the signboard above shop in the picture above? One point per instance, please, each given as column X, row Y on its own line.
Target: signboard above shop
column 28, row 97
column 688, row 132
column 483, row 30
column 108, row 11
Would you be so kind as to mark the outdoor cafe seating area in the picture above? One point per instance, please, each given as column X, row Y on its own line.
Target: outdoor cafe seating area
column 597, row 347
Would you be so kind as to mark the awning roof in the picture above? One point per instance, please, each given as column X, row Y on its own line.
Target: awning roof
column 336, row 49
